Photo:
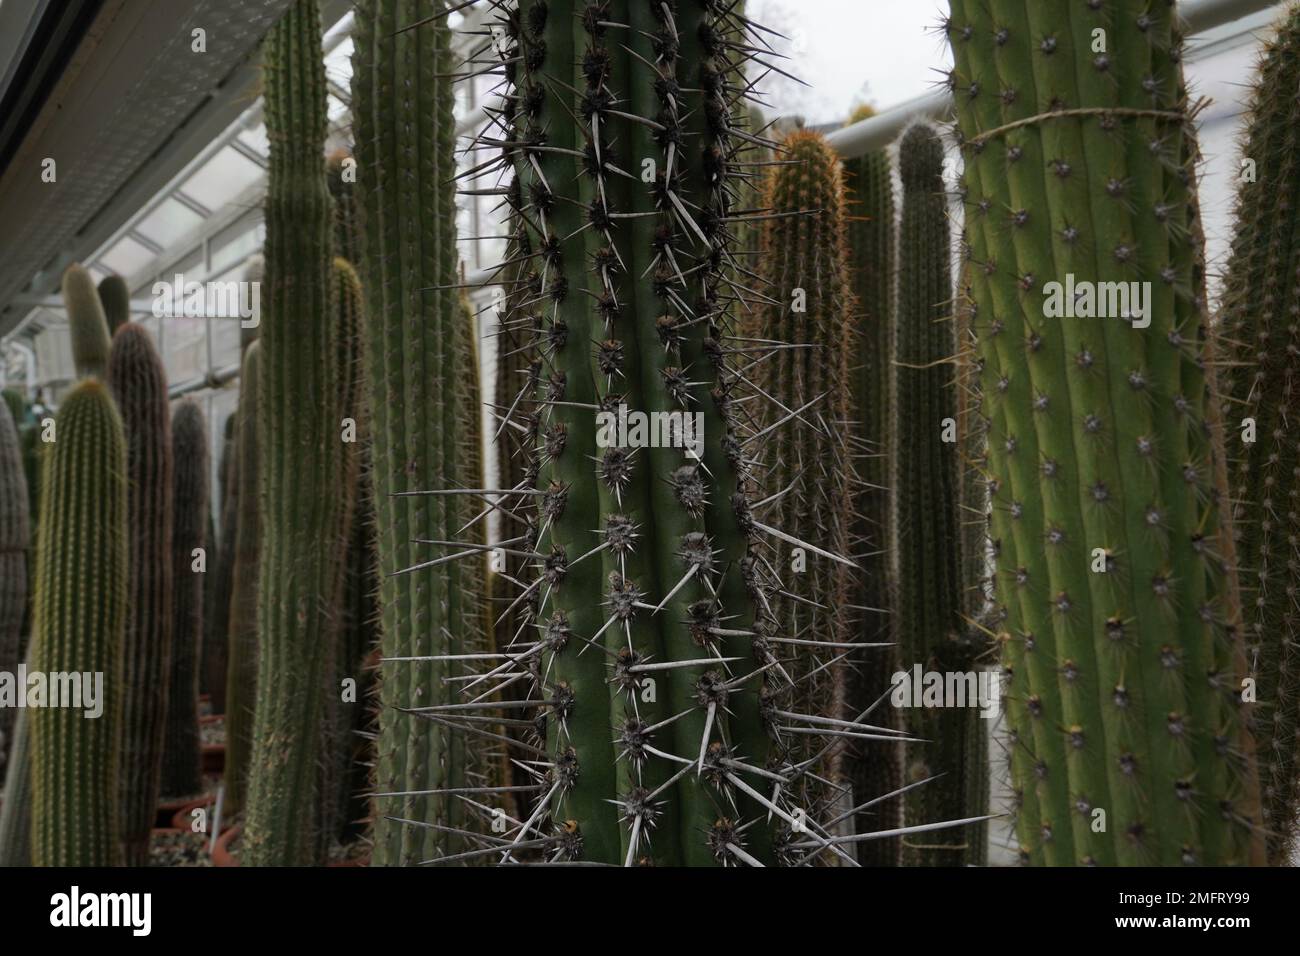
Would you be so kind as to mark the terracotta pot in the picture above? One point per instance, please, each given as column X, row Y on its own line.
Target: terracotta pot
column 221, row 855
column 181, row 817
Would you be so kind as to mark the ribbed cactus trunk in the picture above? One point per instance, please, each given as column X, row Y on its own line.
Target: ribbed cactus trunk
column 875, row 769
column 342, row 665
column 646, row 555
column 181, row 772
column 1260, row 298
column 115, row 298
column 928, row 623
column 808, row 461
column 16, row 810
column 80, row 614
column 300, row 447
column 139, row 385
column 216, row 618
column 242, row 641
column 423, row 422
column 87, row 326
column 1118, row 617
column 15, row 544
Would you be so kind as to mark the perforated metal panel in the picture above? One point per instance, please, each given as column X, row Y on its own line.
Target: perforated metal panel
column 134, row 89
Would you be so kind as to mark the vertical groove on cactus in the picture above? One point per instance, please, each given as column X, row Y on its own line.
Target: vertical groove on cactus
column 242, row 639
column 423, row 421
column 1260, row 298
column 79, row 618
column 928, row 622
column 299, row 446
column 181, row 773
column 16, row 810
column 809, row 463
column 115, row 298
column 87, row 327
column 139, row 385
column 877, row 767
column 216, row 630
column 1115, row 614
column 15, row 542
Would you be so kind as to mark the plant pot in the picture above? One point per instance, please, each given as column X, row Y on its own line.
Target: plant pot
column 221, row 855
column 181, row 818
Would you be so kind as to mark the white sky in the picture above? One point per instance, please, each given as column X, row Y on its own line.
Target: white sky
column 880, row 52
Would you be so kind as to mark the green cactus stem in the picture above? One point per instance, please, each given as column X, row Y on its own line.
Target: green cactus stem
column 242, row 641
column 16, row 810
column 79, row 621
column 15, row 542
column 87, row 325
column 928, row 623
column 216, row 615
column 115, row 298
column 1116, row 616
column 299, row 448
column 808, row 461
column 875, row 768
column 1260, row 296
column 181, row 772
column 422, row 421
column 139, row 385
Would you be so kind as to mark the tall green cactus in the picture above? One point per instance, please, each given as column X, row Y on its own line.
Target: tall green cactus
column 16, row 810
column 115, row 298
column 808, row 465
column 87, row 326
column 928, row 620
column 181, row 773
column 1117, row 616
column 245, row 561
column 423, row 422
column 299, row 446
column 216, row 617
column 139, row 385
column 1260, row 296
column 876, row 768
column 15, row 542
column 80, row 614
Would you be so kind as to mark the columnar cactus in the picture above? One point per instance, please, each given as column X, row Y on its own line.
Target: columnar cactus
column 115, row 298
column 341, row 664
column 808, row 463
column 216, row 615
column 139, row 385
column 1116, row 618
column 1261, row 292
column 16, row 810
column 299, row 446
column 87, row 326
column 181, row 773
column 242, row 641
column 928, row 622
column 422, row 420
column 78, row 625
column 15, row 541
column 876, row 768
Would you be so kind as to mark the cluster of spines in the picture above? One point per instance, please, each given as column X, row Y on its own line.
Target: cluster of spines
column 928, row 612
column 1260, row 326
column 1122, row 680
column 79, row 616
column 181, row 772
column 139, row 385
